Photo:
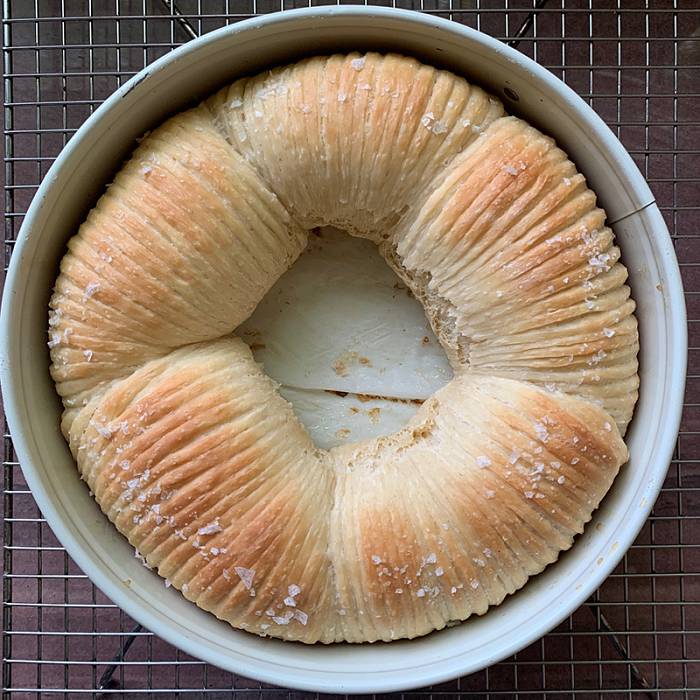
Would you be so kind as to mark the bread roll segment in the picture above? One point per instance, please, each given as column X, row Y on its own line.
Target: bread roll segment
column 195, row 457
column 350, row 141
column 205, row 469
column 511, row 253
column 147, row 271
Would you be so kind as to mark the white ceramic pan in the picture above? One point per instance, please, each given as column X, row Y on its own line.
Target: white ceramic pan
column 177, row 80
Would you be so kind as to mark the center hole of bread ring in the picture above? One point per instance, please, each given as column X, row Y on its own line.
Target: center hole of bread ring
column 350, row 346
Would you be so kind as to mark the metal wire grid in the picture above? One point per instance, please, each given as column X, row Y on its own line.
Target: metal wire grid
column 638, row 65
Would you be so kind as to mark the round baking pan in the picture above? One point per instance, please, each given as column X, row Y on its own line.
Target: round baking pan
column 180, row 79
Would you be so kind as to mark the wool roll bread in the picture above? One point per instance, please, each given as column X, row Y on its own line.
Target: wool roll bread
column 188, row 446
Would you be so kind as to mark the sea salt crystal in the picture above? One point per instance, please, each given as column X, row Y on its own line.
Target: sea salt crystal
column 474, row 584
column 235, row 103
column 431, row 558
column 301, row 616
column 509, row 169
column 483, row 461
column 541, row 431
column 439, row 571
column 88, row 355
column 607, row 426
column 608, row 332
column 358, row 63
column 283, row 619
column 293, row 590
column 290, row 602
column 600, row 355
column 91, row 289
column 561, row 479
column 210, row 529
column 600, row 262
column 439, row 128
column 246, row 576
column 376, row 559
column 167, row 583
column 529, row 494
column 420, row 593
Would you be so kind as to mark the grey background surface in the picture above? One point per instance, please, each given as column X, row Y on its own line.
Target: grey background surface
column 638, row 64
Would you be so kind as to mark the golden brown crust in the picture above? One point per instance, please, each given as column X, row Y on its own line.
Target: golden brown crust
column 145, row 273
column 515, row 247
column 351, row 140
column 198, row 461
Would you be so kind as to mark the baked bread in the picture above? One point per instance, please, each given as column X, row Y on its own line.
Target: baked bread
column 195, row 457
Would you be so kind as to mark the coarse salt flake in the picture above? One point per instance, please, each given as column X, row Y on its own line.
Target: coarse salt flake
column 90, row 290
column 483, row 461
column 301, row 616
column 283, row 619
column 210, row 529
column 246, row 576
column 357, row 63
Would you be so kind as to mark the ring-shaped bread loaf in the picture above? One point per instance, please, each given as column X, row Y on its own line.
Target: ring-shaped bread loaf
column 195, row 457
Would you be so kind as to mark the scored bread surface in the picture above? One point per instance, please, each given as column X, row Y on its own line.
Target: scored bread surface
column 195, row 457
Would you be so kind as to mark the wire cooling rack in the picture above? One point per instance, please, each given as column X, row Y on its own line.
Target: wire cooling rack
column 638, row 64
